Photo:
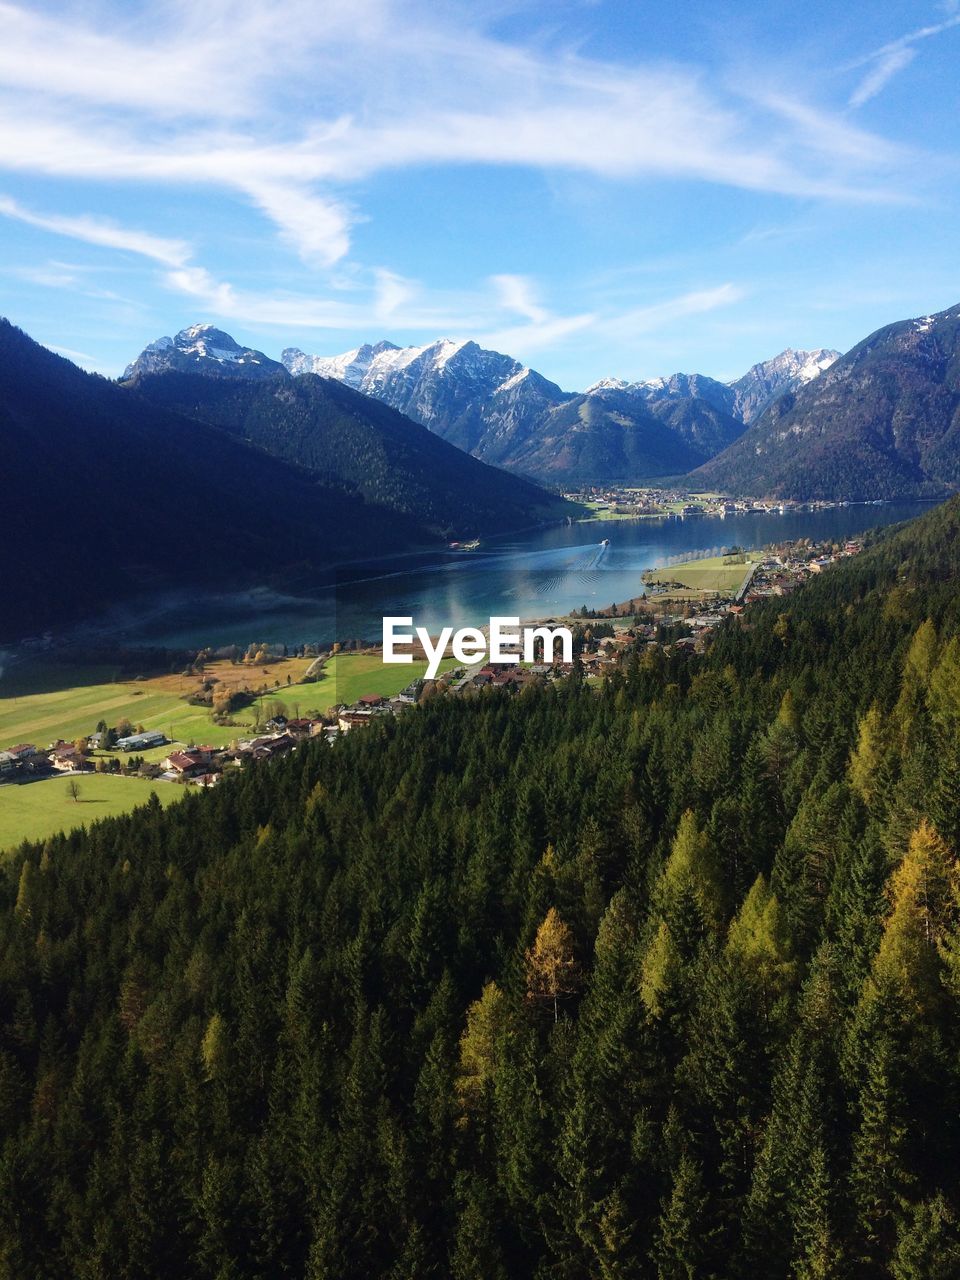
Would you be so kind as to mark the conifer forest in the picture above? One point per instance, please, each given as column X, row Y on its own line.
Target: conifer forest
column 653, row 981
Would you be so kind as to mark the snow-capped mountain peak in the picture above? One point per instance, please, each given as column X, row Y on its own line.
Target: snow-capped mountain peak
column 203, row 348
column 608, row 384
column 745, row 398
column 770, row 379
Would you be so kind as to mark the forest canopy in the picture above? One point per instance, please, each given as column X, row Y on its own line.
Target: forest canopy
column 656, row 980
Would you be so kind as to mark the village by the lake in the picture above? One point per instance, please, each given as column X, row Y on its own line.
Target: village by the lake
column 118, row 734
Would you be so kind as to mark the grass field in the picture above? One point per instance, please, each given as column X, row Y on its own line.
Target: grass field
column 345, row 678
column 710, row 574
column 35, row 810
column 40, row 703
column 84, row 697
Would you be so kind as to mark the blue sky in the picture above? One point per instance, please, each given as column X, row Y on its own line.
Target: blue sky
column 598, row 187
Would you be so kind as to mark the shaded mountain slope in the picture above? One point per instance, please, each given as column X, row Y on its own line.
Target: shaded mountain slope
column 882, row 422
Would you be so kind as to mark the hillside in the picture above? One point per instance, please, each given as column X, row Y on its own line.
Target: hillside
column 656, row 980
column 354, row 442
column 496, row 408
column 110, row 495
column 593, row 439
column 882, row 422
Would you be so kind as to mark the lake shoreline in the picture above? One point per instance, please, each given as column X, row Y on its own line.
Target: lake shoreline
column 552, row 571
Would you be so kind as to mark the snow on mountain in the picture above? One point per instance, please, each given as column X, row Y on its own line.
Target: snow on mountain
column 745, row 398
column 503, row 412
column 678, row 386
column 202, row 348
column 351, row 367
column 786, row 372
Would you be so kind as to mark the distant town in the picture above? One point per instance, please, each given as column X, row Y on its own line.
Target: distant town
column 626, row 502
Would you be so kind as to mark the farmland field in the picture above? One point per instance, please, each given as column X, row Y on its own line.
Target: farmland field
column 41, row 702
column 709, row 574
column 34, row 810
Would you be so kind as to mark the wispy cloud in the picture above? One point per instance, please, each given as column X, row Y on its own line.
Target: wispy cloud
column 518, row 293
column 106, row 234
column 82, row 358
column 294, row 108
column 884, row 63
column 655, row 316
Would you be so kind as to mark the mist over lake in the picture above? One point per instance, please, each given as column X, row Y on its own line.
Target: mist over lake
column 535, row 574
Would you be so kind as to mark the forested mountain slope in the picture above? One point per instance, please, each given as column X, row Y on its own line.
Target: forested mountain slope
column 221, row 482
column 655, row 981
column 106, row 495
column 354, row 442
column 881, row 422
column 505, row 413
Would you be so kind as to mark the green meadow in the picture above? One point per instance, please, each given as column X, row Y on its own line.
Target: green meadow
column 345, row 678
column 709, row 574
column 40, row 703
column 35, row 810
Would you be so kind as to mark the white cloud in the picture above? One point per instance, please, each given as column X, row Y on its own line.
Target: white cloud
column 272, row 100
column 81, row 358
column 884, row 63
column 517, row 293
column 294, row 108
column 884, row 68
column 108, row 235
column 393, row 293
column 316, row 228
column 537, row 335
column 658, row 315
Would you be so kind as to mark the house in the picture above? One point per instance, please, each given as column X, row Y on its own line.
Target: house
column 304, row 727
column 347, row 720
column 371, row 700
column 67, row 758
column 22, row 751
column 185, row 764
column 277, row 746
column 141, row 741
column 8, row 762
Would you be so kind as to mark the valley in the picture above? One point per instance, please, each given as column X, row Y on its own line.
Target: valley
column 479, row 641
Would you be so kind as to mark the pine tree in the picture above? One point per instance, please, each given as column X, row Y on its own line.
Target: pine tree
column 928, row 1243
column 925, row 894
column 480, row 1049
column 758, row 941
column 551, row 967
column 944, row 692
column 682, row 1238
column 879, row 1178
column 868, row 755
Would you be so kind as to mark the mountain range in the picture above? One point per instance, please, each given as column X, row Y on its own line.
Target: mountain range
column 878, row 422
column 498, row 409
column 881, row 422
column 179, row 480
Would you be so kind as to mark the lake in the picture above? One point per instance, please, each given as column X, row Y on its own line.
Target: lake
column 535, row 574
